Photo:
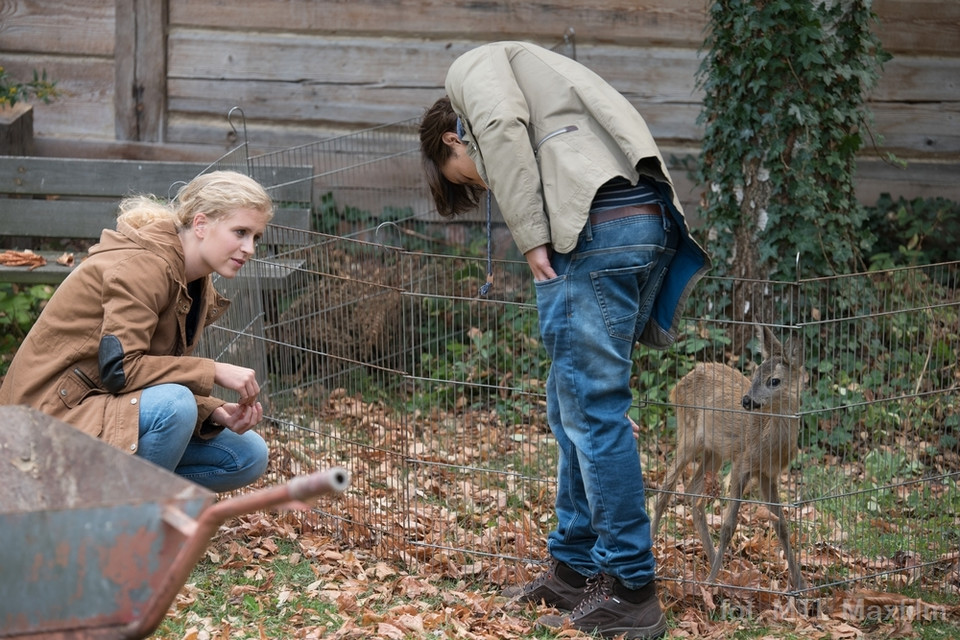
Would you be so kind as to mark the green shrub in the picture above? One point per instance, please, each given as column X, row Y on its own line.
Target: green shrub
column 19, row 309
column 913, row 232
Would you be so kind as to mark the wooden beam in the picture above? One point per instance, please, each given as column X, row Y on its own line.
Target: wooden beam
column 16, row 130
column 141, row 69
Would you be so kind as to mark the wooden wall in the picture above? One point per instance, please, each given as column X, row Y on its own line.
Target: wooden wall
column 154, row 79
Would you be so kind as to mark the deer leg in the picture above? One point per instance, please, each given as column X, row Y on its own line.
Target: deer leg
column 768, row 486
column 737, row 486
column 698, row 507
column 668, row 485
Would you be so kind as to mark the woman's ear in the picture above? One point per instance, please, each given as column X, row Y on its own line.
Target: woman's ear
column 451, row 139
column 199, row 224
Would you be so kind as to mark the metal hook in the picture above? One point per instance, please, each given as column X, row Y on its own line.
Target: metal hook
column 569, row 37
column 243, row 121
column 376, row 233
column 174, row 189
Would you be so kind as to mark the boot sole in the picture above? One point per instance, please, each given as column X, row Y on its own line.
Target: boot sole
column 656, row 630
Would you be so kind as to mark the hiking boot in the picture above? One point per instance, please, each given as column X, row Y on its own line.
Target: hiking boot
column 551, row 589
column 606, row 611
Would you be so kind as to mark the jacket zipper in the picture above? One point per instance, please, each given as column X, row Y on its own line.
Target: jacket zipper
column 90, row 383
column 567, row 129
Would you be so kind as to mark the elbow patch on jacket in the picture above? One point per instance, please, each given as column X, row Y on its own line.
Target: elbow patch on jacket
column 110, row 357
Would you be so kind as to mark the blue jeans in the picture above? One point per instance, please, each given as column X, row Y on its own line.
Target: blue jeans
column 590, row 317
column 168, row 418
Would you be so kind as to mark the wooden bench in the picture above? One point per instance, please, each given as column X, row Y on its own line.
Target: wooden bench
column 44, row 200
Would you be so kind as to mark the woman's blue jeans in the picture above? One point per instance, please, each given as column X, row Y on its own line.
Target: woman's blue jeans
column 168, row 418
column 590, row 317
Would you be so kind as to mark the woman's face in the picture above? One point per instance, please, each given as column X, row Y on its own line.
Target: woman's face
column 459, row 168
column 228, row 242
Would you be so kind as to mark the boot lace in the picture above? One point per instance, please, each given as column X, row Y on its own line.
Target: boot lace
column 599, row 588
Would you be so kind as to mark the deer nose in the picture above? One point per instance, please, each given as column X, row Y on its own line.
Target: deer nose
column 748, row 403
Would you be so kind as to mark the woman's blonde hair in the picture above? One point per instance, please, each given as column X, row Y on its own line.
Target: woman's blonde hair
column 215, row 194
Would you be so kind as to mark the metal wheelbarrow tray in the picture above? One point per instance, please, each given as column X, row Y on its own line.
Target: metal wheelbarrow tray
column 96, row 543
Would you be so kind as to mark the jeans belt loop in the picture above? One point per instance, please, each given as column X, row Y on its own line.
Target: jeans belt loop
column 625, row 212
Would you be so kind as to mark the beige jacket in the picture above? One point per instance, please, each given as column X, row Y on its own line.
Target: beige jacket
column 545, row 133
column 127, row 298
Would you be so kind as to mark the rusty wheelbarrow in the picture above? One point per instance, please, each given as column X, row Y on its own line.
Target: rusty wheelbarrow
column 96, row 543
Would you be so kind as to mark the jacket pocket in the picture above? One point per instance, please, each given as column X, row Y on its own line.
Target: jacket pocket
column 73, row 387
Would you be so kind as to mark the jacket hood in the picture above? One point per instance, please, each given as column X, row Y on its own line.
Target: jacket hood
column 160, row 238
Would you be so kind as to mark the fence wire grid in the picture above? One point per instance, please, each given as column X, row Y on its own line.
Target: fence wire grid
column 376, row 353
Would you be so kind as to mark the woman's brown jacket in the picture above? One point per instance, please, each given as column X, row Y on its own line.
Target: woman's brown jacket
column 116, row 325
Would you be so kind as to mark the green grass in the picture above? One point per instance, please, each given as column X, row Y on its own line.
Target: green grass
column 270, row 598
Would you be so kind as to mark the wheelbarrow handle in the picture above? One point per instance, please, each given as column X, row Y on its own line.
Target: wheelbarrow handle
column 197, row 534
column 333, row 480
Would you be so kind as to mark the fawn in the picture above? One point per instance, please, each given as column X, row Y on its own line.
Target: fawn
column 713, row 428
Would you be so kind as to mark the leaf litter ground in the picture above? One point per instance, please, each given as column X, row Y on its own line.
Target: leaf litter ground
column 277, row 575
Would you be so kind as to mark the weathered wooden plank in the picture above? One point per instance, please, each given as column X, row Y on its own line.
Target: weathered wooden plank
column 113, row 179
column 31, row 217
column 92, row 178
column 264, row 136
column 921, row 178
column 232, row 55
column 679, row 22
column 376, row 62
column 57, row 27
column 140, row 98
column 336, row 105
column 908, row 78
column 913, row 127
column 85, row 109
column 125, row 97
column 125, row 150
column 345, row 107
column 150, row 84
column 16, row 129
column 274, row 77
column 932, row 128
column 916, row 26
column 919, row 27
column 56, row 218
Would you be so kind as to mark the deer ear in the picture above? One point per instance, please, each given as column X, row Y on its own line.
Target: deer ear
column 793, row 351
column 769, row 345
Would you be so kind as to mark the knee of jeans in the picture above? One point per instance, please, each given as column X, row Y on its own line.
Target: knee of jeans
column 183, row 404
column 170, row 404
column 254, row 454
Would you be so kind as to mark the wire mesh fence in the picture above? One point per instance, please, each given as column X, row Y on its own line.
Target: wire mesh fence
column 384, row 359
column 377, row 353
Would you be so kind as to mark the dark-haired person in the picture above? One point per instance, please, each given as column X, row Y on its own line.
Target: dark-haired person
column 111, row 353
column 584, row 191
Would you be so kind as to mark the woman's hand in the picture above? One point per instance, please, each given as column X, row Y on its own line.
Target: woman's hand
column 239, row 379
column 239, row 418
column 539, row 260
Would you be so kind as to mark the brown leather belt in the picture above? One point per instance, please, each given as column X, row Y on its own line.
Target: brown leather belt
column 625, row 212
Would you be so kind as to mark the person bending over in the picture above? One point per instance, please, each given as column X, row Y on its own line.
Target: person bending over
column 584, row 191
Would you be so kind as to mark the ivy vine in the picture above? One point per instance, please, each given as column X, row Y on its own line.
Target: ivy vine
column 784, row 118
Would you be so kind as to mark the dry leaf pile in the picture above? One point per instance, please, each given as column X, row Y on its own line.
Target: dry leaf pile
column 31, row 260
column 27, row 258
